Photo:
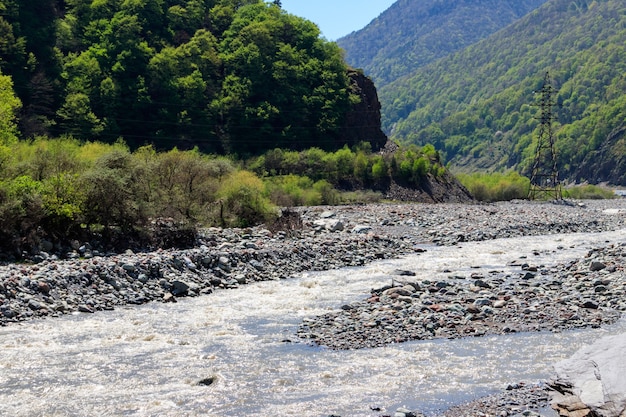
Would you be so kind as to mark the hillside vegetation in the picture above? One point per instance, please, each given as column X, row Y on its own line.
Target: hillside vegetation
column 235, row 76
column 411, row 34
column 478, row 106
column 117, row 116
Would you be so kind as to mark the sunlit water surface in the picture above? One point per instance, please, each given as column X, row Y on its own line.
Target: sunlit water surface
column 148, row 360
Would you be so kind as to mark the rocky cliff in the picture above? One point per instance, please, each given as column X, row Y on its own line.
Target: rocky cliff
column 363, row 123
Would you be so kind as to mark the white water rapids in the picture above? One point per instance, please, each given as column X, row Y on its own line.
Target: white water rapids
column 147, row 360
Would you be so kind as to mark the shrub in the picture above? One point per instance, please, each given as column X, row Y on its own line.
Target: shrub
column 21, row 211
column 243, row 202
column 588, row 192
column 496, row 186
column 361, row 197
column 187, row 182
column 111, row 197
column 293, row 190
column 329, row 195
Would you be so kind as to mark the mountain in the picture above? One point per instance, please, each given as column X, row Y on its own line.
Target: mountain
column 478, row 106
column 413, row 33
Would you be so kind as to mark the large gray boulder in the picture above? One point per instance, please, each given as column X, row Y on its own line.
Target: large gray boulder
column 593, row 381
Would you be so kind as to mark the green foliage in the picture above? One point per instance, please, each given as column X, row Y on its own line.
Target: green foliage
column 412, row 164
column 496, row 186
column 111, row 196
column 9, row 104
column 329, row 195
column 478, row 105
column 21, row 211
column 225, row 76
column 588, row 192
column 187, row 182
column 292, row 190
column 361, row 197
column 284, row 84
column 61, row 189
column 352, row 168
column 243, row 201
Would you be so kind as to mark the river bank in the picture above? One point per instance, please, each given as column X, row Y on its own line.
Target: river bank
column 229, row 258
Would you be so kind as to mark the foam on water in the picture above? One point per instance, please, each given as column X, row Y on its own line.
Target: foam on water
column 148, row 360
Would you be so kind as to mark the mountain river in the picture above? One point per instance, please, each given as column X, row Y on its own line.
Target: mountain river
column 148, row 360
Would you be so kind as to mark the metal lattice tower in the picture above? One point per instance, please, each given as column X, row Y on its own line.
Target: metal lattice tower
column 544, row 180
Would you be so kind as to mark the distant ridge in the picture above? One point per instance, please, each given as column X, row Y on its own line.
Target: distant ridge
column 413, row 33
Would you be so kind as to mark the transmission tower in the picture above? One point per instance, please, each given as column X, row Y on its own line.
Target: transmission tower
column 544, row 180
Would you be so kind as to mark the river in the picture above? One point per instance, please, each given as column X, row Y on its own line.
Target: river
column 147, row 360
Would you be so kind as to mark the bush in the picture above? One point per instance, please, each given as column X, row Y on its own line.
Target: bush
column 329, row 195
column 187, row 183
column 361, row 197
column 21, row 212
column 111, row 197
column 292, row 190
column 243, row 201
column 588, row 192
column 496, row 186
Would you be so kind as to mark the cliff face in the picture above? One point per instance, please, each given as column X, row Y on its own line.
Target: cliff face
column 363, row 123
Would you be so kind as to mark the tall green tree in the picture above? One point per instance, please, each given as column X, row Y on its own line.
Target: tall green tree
column 9, row 105
column 284, row 85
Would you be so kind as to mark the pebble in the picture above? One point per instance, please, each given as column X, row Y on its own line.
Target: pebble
column 587, row 292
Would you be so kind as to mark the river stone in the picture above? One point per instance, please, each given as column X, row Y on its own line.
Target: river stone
column 405, row 291
column 481, row 284
column 403, row 273
column 46, row 245
column 223, row 263
column 595, row 375
column 179, row 288
column 361, row 229
column 332, row 225
column 596, row 266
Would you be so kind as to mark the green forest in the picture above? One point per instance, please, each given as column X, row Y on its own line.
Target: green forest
column 479, row 106
column 227, row 76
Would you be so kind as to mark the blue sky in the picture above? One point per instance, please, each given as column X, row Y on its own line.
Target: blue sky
column 337, row 18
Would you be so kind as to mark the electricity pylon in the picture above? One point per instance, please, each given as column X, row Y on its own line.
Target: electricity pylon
column 544, row 180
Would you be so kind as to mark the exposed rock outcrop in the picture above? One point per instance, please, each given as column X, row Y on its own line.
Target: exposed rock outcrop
column 362, row 122
column 592, row 383
column 445, row 189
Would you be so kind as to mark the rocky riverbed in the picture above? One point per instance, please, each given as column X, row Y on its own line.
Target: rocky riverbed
column 586, row 292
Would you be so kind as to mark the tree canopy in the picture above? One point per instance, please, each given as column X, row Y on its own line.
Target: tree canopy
column 238, row 76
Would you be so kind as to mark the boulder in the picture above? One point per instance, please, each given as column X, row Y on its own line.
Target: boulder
column 330, row 224
column 593, row 381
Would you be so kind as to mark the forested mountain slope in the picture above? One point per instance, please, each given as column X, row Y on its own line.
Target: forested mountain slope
column 478, row 105
column 413, row 33
column 227, row 76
